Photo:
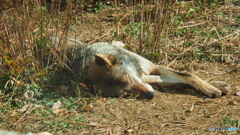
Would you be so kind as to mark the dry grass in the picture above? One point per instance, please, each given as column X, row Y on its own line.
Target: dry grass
column 188, row 36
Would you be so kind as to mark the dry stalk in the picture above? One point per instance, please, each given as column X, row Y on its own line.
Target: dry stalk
column 118, row 24
column 180, row 55
column 160, row 16
column 193, row 25
column 141, row 26
column 31, row 107
column 228, row 36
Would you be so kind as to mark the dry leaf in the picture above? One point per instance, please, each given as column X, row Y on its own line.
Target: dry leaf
column 62, row 112
column 165, row 124
column 238, row 93
column 192, row 107
column 74, row 113
column 83, row 85
column 20, row 83
column 93, row 123
column 112, row 15
column 14, row 113
column 88, row 108
column 65, row 113
column 29, row 95
column 202, row 102
column 129, row 131
column 25, row 108
column 233, row 103
column 38, row 106
column 101, row 100
column 211, row 116
column 2, row 99
column 57, row 111
column 56, row 105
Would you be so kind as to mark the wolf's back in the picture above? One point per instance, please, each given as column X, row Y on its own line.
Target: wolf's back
column 81, row 57
column 85, row 56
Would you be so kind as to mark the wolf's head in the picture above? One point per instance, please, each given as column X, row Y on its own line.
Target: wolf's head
column 115, row 77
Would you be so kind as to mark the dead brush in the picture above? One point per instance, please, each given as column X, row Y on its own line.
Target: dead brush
column 25, row 29
column 161, row 33
column 162, row 29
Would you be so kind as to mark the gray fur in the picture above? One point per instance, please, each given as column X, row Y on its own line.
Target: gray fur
column 83, row 59
column 121, row 77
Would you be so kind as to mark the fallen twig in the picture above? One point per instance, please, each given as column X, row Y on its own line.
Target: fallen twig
column 118, row 23
column 193, row 25
column 237, row 32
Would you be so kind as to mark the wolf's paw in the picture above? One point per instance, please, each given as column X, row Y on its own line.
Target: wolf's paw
column 211, row 91
column 221, row 85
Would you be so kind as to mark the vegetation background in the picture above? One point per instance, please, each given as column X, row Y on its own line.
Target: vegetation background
column 198, row 36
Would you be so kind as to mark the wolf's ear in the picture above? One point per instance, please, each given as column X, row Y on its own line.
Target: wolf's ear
column 106, row 60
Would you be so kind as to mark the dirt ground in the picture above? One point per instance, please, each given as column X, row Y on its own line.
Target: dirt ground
column 172, row 111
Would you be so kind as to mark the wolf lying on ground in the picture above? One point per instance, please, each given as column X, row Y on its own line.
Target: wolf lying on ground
column 115, row 71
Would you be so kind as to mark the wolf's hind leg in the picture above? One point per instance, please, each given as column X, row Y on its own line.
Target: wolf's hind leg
column 170, row 76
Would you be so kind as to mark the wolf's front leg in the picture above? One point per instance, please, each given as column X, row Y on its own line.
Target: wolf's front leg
column 170, row 76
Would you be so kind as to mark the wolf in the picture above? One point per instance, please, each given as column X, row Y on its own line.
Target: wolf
column 116, row 72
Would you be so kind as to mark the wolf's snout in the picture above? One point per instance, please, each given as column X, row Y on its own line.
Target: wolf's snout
column 144, row 91
column 150, row 95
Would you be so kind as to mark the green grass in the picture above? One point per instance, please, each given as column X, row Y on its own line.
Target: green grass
column 230, row 121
